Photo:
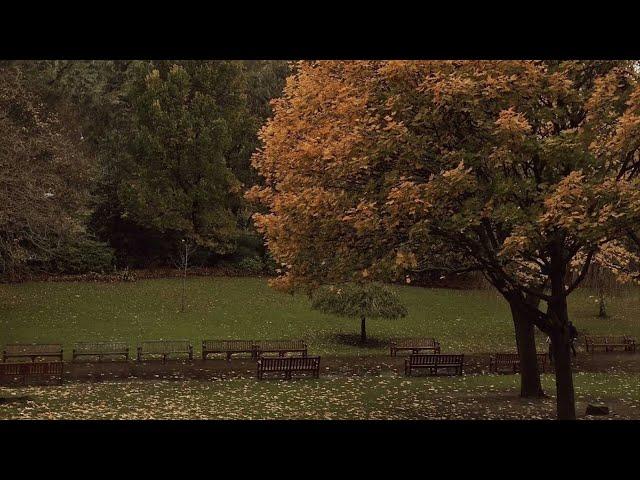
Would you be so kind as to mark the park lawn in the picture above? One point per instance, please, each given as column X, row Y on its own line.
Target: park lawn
column 337, row 397
column 469, row 321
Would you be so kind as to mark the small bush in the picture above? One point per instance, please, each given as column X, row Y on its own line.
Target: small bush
column 83, row 257
column 251, row 265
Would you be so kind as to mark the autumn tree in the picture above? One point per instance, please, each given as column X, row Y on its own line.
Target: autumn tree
column 358, row 300
column 525, row 168
column 45, row 174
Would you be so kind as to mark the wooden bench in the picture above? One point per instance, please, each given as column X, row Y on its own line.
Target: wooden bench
column 228, row 348
column 288, row 365
column 26, row 371
column 414, row 345
column 32, row 351
column 165, row 348
column 510, row 362
column 281, row 347
column 433, row 362
column 100, row 350
column 609, row 343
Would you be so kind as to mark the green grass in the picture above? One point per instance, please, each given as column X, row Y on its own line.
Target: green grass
column 339, row 397
column 465, row 321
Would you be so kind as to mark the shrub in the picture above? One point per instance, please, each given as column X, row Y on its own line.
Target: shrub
column 251, row 265
column 83, row 257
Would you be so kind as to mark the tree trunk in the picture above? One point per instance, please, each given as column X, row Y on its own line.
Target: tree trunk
column 363, row 330
column 603, row 310
column 566, row 407
column 530, row 385
column 559, row 318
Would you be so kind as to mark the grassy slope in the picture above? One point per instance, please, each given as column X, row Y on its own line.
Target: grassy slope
column 466, row 321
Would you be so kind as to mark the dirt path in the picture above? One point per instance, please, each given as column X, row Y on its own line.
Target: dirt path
column 348, row 366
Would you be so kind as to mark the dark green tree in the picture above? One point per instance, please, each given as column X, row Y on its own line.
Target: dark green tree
column 358, row 300
column 174, row 178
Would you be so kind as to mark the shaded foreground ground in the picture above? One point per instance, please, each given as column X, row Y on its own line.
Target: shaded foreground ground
column 330, row 397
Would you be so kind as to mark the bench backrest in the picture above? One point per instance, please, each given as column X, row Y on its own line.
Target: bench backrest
column 507, row 357
column 514, row 357
column 288, row 363
column 165, row 346
column 415, row 342
column 38, row 368
column 280, row 344
column 228, row 345
column 45, row 368
column 17, row 349
column 99, row 347
column 436, row 359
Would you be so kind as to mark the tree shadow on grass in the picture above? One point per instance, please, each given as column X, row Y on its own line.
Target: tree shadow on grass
column 353, row 340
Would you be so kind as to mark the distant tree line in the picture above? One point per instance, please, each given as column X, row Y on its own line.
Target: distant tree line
column 112, row 164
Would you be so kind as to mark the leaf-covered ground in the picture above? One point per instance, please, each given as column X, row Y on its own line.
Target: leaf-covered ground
column 464, row 321
column 337, row 397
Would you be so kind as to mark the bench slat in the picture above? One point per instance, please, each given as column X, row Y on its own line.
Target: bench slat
column 288, row 365
column 433, row 362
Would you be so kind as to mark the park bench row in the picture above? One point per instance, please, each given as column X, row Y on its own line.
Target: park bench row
column 434, row 364
column 23, row 372
column 164, row 348
column 153, row 349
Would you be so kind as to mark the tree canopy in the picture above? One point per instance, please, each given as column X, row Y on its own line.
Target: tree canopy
column 45, row 175
column 370, row 300
column 359, row 300
column 169, row 144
